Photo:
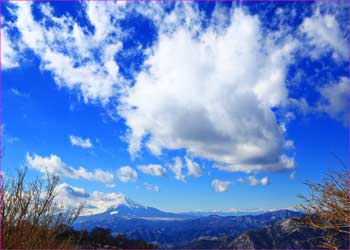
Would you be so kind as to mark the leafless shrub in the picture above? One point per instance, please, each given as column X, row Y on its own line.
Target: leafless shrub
column 327, row 207
column 31, row 217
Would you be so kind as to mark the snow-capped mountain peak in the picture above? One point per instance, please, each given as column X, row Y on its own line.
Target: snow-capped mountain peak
column 108, row 202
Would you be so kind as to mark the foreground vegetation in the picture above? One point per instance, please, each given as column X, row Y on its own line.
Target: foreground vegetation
column 327, row 207
column 32, row 219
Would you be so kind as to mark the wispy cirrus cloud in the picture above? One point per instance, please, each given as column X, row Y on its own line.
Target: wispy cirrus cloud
column 151, row 187
column 18, row 93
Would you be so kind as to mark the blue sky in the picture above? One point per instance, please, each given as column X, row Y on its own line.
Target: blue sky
column 179, row 106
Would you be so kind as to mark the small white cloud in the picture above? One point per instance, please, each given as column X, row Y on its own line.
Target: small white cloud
column 264, row 181
column 80, row 142
column 240, row 180
column 151, row 187
column 220, row 186
column 177, row 169
column 335, row 100
column 292, row 175
column 54, row 165
column 289, row 144
column 126, row 174
column 324, row 35
column 152, row 169
column 16, row 92
column 253, row 181
column 12, row 140
column 193, row 169
column 9, row 55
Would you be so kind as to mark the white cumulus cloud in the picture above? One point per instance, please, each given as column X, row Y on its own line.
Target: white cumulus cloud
column 213, row 96
column 193, row 169
column 220, row 186
column 80, row 142
column 126, row 174
column 253, row 181
column 70, row 196
column 176, row 168
column 9, row 55
column 323, row 32
column 152, row 169
column 335, row 100
column 54, row 165
column 181, row 170
column 77, row 68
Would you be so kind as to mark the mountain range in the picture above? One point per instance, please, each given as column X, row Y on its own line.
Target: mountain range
column 288, row 233
column 173, row 230
column 280, row 229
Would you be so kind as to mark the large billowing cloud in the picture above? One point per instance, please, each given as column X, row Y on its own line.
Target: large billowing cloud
column 213, row 96
column 211, row 91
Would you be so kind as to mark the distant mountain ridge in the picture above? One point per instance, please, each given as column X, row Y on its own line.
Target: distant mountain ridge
column 125, row 208
column 288, row 233
column 223, row 213
column 171, row 230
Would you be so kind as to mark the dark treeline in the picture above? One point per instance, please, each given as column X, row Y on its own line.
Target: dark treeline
column 101, row 238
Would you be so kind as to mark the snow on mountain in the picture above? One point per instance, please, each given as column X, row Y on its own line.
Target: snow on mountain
column 108, row 202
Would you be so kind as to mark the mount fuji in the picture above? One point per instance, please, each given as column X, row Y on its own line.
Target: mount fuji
column 124, row 216
column 121, row 207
